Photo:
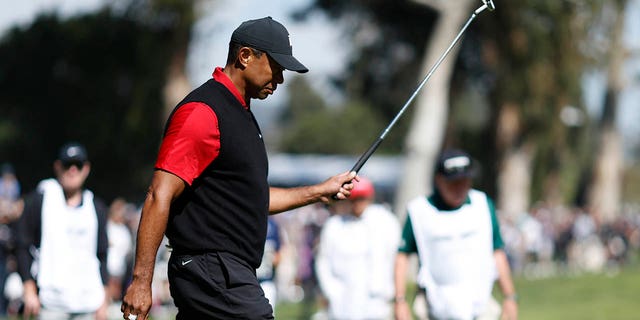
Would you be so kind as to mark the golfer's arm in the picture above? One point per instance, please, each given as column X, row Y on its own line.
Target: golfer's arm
column 283, row 199
column 504, row 274
column 165, row 187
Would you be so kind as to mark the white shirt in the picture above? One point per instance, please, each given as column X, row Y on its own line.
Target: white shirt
column 120, row 245
column 355, row 263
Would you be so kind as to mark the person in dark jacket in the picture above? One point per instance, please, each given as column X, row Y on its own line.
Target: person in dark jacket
column 62, row 243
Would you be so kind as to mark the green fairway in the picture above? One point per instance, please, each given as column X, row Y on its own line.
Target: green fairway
column 615, row 297
column 584, row 297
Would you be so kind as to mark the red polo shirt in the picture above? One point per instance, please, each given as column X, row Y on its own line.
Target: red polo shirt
column 192, row 140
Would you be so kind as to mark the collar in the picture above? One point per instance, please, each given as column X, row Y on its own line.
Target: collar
column 220, row 76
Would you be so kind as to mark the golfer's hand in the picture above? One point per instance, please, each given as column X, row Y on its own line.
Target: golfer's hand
column 137, row 301
column 338, row 187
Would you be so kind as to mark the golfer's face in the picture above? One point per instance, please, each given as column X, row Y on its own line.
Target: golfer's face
column 454, row 192
column 266, row 74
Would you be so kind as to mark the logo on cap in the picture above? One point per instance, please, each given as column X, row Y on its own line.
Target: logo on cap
column 73, row 152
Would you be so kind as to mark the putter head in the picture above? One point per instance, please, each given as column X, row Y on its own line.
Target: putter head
column 489, row 4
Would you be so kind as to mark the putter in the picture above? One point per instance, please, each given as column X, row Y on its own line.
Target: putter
column 487, row 4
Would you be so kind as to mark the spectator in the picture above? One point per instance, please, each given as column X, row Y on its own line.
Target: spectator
column 62, row 244
column 355, row 258
column 9, row 185
column 456, row 234
column 266, row 273
column 120, row 247
column 513, row 243
column 533, row 237
column 10, row 210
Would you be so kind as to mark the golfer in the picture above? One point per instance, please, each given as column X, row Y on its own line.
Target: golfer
column 209, row 192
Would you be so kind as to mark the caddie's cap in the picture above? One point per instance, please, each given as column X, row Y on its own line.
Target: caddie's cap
column 73, row 152
column 362, row 189
column 270, row 36
column 455, row 164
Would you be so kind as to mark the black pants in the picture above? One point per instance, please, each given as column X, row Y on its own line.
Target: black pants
column 216, row 285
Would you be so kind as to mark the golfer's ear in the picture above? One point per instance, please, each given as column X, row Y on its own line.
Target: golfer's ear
column 244, row 56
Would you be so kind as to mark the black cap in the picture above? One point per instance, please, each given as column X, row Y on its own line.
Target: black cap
column 73, row 152
column 455, row 164
column 270, row 36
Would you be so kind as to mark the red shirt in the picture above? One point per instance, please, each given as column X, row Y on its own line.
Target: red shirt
column 192, row 140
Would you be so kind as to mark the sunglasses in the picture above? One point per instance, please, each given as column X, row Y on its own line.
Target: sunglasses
column 67, row 165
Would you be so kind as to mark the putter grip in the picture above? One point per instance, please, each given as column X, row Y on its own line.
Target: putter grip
column 365, row 156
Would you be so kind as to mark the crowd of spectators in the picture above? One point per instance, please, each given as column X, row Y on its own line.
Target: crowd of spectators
column 543, row 242
column 550, row 240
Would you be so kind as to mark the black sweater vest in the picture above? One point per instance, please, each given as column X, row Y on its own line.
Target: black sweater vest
column 226, row 207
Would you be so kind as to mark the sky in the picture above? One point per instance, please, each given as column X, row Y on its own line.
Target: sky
column 317, row 43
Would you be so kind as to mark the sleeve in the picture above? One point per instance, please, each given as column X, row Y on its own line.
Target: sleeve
column 497, row 237
column 28, row 234
column 191, row 142
column 408, row 239
column 103, row 240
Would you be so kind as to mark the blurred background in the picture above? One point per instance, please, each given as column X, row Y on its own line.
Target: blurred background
column 545, row 94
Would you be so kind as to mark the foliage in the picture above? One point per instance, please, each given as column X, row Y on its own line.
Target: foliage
column 528, row 55
column 95, row 79
column 388, row 39
column 533, row 51
column 312, row 127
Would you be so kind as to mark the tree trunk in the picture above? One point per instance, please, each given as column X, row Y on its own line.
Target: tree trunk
column 514, row 174
column 605, row 196
column 429, row 121
column 177, row 83
column 606, row 188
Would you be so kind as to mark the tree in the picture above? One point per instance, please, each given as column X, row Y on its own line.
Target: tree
column 96, row 79
column 427, row 129
column 313, row 127
column 176, row 16
column 532, row 53
column 605, row 189
column 387, row 37
column 518, row 71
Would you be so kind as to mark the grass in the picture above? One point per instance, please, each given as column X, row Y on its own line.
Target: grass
column 583, row 297
column 586, row 297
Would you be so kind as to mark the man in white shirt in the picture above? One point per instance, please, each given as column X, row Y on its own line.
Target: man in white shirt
column 355, row 258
